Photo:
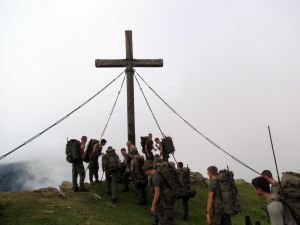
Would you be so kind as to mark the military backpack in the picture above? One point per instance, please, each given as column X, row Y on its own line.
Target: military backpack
column 184, row 174
column 143, row 142
column 156, row 161
column 110, row 161
column 168, row 146
column 229, row 192
column 141, row 177
column 171, row 176
column 73, row 151
column 89, row 149
column 290, row 195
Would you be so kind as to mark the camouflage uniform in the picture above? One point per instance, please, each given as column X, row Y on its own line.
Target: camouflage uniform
column 94, row 163
column 127, row 171
column 152, row 193
column 78, row 168
column 218, row 216
column 149, row 144
column 165, row 206
column 111, row 177
column 140, row 176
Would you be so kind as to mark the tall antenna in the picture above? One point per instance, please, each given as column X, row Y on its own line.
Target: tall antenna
column 274, row 158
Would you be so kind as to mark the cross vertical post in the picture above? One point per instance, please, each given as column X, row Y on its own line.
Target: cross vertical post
column 129, row 63
column 130, row 88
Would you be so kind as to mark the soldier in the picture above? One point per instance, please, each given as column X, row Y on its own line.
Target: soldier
column 78, row 168
column 111, row 166
column 274, row 184
column 162, row 153
column 152, row 193
column 141, row 179
column 94, row 162
column 214, row 198
column 185, row 199
column 125, row 176
column 131, row 148
column 279, row 212
column 163, row 207
column 149, row 147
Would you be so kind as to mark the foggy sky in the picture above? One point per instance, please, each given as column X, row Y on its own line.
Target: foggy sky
column 231, row 69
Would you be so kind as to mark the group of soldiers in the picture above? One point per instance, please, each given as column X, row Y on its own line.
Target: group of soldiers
column 142, row 171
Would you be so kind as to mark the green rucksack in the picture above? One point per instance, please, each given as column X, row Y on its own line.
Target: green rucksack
column 171, row 176
column 73, row 151
column 290, row 183
column 184, row 174
column 89, row 149
column 156, row 161
column 143, row 142
column 168, row 146
column 110, row 161
column 141, row 177
column 229, row 192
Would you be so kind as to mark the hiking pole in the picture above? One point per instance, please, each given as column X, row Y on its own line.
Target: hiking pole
column 101, row 179
column 275, row 159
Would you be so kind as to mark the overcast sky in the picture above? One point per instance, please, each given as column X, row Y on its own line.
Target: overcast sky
column 231, row 69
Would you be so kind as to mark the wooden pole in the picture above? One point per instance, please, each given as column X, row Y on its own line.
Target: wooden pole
column 130, row 87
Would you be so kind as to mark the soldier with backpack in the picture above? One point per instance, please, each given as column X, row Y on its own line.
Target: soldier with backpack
column 184, row 174
column 274, row 184
column 278, row 211
column 215, row 211
column 126, row 174
column 141, row 179
column 94, row 161
column 77, row 149
column 111, row 166
column 163, row 201
column 149, row 147
column 162, row 152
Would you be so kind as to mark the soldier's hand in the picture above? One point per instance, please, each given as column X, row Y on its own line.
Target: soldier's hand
column 148, row 155
column 153, row 208
column 208, row 219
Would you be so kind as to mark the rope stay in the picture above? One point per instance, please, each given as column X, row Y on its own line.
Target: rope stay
column 149, row 106
column 39, row 134
column 191, row 126
column 112, row 110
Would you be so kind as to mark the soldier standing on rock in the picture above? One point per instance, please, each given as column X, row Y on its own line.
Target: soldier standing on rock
column 78, row 168
column 94, row 161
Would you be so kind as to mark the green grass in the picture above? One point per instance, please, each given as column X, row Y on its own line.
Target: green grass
column 31, row 208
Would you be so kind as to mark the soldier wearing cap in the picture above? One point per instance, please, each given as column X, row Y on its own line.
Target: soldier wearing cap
column 163, row 206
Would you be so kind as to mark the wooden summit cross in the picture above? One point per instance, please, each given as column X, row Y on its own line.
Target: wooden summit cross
column 129, row 63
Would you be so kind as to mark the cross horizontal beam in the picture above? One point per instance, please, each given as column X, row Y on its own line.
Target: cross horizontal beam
column 129, row 63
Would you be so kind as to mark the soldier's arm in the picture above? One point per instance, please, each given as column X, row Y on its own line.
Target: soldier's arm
column 210, row 202
column 146, row 149
column 156, row 197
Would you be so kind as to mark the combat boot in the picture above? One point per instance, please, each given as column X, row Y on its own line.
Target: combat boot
column 98, row 181
column 92, row 183
column 185, row 217
column 76, row 189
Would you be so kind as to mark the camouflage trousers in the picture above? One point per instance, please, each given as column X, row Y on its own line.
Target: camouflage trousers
column 142, row 194
column 78, row 168
column 220, row 218
column 185, row 202
column 165, row 211
column 125, row 178
column 112, row 177
column 165, row 158
column 150, row 154
column 94, row 168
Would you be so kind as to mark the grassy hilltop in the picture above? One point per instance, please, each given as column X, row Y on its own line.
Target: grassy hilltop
column 47, row 207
